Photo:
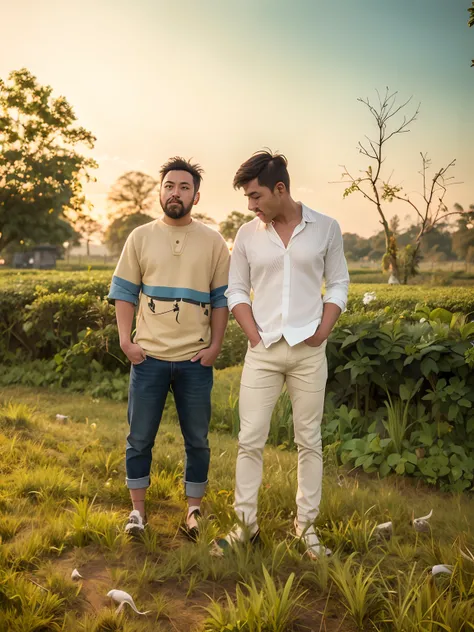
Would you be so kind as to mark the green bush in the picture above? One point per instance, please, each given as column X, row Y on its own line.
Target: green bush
column 400, row 397
column 401, row 298
column 46, row 313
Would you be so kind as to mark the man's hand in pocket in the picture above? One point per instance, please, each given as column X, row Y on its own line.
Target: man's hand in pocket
column 207, row 356
column 316, row 340
column 255, row 342
column 134, row 353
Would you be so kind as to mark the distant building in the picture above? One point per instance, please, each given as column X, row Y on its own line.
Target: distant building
column 42, row 257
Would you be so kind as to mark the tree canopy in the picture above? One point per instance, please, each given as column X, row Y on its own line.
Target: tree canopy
column 42, row 164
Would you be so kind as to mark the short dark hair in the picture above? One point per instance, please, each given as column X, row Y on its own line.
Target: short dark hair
column 180, row 164
column 269, row 168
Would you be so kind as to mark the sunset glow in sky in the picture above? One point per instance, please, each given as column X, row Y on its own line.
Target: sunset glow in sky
column 217, row 80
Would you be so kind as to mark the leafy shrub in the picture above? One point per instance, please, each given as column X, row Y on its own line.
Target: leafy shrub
column 401, row 398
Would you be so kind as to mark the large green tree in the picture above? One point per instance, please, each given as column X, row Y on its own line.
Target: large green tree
column 205, row 219
column 120, row 228
column 134, row 192
column 229, row 227
column 87, row 227
column 131, row 200
column 42, row 171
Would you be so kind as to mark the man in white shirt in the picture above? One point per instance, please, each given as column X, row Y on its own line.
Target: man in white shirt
column 283, row 255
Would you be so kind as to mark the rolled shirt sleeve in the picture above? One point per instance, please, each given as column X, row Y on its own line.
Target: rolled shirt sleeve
column 239, row 275
column 220, row 278
column 336, row 273
column 127, row 279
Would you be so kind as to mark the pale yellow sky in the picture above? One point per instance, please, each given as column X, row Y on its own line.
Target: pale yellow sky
column 217, row 81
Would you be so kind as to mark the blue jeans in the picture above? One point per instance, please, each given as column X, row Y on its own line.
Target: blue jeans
column 191, row 384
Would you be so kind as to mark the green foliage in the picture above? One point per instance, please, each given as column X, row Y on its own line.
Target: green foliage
column 230, row 226
column 234, row 347
column 357, row 589
column 269, row 609
column 410, row 393
column 28, row 607
column 40, row 168
column 120, row 228
column 65, row 316
column 78, row 522
column 400, row 369
column 15, row 416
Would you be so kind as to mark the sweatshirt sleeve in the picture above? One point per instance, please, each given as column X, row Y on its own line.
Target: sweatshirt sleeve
column 220, row 278
column 127, row 279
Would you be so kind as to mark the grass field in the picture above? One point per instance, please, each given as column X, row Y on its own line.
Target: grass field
column 63, row 505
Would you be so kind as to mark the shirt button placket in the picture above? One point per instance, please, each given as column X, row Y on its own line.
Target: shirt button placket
column 286, row 288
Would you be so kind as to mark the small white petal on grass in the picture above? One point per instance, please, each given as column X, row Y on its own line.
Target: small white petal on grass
column 75, row 575
column 121, row 597
column 422, row 524
column 385, row 528
column 62, row 417
column 442, row 568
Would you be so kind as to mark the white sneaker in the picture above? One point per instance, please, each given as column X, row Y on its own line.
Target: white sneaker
column 310, row 541
column 135, row 524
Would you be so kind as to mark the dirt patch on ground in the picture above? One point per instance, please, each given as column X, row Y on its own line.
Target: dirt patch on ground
column 184, row 612
column 96, row 583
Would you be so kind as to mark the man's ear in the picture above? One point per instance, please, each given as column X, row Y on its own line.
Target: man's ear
column 196, row 198
column 280, row 188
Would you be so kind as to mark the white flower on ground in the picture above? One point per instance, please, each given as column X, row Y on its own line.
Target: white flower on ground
column 442, row 568
column 368, row 297
column 75, row 575
column 384, row 529
column 422, row 524
column 121, row 597
column 61, row 417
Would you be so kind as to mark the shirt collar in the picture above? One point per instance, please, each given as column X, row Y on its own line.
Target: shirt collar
column 308, row 214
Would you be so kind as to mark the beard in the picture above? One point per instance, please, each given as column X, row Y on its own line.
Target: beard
column 175, row 209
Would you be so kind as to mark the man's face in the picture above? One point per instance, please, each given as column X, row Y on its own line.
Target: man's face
column 177, row 196
column 265, row 203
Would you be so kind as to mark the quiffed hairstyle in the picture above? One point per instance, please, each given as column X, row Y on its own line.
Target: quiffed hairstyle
column 180, row 164
column 269, row 168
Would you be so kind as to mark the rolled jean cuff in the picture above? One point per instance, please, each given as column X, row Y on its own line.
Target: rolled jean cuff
column 138, row 483
column 195, row 490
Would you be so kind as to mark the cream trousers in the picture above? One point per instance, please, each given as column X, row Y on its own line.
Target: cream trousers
column 304, row 369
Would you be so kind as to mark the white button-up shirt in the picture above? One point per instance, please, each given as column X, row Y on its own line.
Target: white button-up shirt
column 287, row 282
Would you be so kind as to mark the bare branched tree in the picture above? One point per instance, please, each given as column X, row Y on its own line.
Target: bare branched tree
column 370, row 184
column 431, row 211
